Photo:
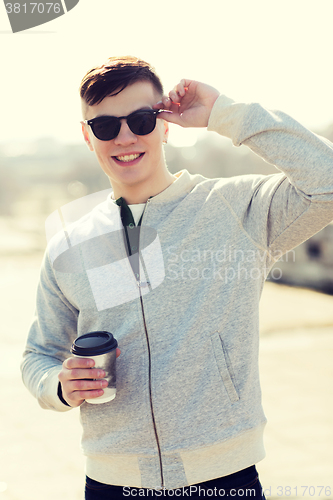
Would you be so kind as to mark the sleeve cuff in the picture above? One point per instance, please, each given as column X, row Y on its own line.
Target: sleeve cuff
column 60, row 395
column 48, row 392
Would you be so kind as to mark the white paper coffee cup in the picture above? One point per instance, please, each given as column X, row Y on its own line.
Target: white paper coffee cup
column 101, row 347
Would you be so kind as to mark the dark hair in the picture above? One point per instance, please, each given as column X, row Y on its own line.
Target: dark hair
column 114, row 76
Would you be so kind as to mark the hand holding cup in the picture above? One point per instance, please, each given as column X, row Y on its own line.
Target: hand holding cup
column 81, row 380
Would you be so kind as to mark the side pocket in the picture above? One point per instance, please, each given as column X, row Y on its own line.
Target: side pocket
column 224, row 366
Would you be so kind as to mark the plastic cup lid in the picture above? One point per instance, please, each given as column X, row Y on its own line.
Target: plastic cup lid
column 93, row 344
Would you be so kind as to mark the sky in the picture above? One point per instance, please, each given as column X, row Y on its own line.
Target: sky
column 278, row 53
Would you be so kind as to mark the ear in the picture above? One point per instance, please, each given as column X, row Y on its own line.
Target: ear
column 86, row 137
column 166, row 132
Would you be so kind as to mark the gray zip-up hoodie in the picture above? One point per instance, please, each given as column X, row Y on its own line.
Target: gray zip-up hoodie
column 188, row 404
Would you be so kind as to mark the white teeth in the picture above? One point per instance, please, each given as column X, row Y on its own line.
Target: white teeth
column 127, row 158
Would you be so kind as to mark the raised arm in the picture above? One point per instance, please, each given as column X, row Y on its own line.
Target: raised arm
column 284, row 209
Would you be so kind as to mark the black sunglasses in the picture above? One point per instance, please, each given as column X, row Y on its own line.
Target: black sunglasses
column 141, row 122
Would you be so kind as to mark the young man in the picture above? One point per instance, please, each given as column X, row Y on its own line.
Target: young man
column 174, row 269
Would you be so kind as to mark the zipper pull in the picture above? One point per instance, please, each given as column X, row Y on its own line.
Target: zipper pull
column 143, row 284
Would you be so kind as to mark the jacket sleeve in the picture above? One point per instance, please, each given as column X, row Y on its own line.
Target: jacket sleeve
column 53, row 329
column 292, row 206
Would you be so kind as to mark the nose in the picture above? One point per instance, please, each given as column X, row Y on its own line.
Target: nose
column 125, row 136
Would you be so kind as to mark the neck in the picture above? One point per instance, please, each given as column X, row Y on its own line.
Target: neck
column 140, row 194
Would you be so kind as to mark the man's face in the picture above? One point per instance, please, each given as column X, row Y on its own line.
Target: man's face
column 145, row 152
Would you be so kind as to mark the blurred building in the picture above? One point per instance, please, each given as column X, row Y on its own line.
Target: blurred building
column 308, row 265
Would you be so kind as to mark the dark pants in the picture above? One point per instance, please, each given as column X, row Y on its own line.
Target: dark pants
column 244, row 484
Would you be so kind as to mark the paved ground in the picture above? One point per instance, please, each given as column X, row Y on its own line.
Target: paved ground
column 40, row 456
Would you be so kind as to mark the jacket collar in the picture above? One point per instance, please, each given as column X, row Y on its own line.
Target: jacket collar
column 183, row 184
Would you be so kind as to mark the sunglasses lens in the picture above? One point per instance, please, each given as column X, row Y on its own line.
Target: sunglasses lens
column 106, row 128
column 142, row 122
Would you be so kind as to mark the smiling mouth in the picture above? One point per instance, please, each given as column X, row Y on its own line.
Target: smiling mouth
column 128, row 158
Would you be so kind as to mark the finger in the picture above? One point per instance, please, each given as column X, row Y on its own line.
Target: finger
column 70, row 363
column 171, row 117
column 185, row 82
column 180, row 88
column 118, row 352
column 158, row 105
column 85, row 385
column 174, row 96
column 165, row 103
column 174, row 108
column 81, row 395
column 90, row 373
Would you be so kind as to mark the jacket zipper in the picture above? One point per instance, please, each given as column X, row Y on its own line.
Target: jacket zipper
column 149, row 359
